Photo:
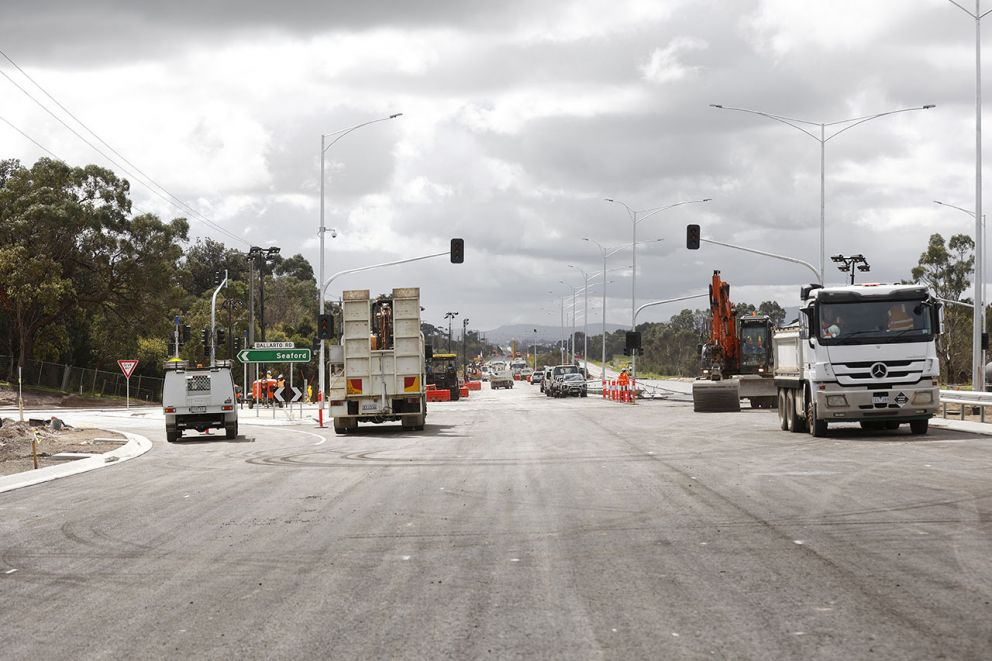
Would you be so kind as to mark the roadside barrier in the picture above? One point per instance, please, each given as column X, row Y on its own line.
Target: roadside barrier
column 616, row 392
column 435, row 395
column 474, row 385
column 463, row 391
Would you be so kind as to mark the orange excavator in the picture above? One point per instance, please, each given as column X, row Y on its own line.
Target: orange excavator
column 738, row 348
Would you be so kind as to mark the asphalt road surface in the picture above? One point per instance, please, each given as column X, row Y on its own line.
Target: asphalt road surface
column 514, row 526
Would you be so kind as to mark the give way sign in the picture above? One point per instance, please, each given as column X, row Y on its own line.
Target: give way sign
column 127, row 366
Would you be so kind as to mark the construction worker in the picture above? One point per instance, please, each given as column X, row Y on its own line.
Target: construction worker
column 623, row 382
column 309, row 393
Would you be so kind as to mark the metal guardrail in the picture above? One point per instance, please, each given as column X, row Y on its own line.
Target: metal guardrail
column 965, row 398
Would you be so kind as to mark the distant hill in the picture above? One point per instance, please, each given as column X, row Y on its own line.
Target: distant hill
column 525, row 333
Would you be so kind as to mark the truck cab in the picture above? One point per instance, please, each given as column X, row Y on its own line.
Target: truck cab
column 865, row 354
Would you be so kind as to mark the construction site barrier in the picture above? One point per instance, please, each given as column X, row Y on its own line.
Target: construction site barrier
column 436, row 395
column 463, row 391
column 616, row 392
column 474, row 385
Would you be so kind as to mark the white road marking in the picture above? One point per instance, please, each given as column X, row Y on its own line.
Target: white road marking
column 407, row 557
column 308, row 433
column 10, row 571
column 798, row 541
column 514, row 559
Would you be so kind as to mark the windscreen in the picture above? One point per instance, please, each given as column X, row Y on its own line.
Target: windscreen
column 754, row 345
column 874, row 322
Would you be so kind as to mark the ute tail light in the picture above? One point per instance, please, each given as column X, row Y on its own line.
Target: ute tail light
column 170, row 409
column 227, row 407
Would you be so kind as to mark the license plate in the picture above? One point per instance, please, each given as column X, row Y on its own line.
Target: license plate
column 372, row 408
column 198, row 409
column 880, row 398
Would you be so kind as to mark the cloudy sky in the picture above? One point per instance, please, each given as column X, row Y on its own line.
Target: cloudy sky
column 519, row 118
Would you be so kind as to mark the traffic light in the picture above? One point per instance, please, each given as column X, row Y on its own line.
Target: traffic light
column 237, row 343
column 692, row 237
column 206, row 339
column 325, row 327
column 185, row 335
column 457, row 251
column 220, row 336
column 632, row 344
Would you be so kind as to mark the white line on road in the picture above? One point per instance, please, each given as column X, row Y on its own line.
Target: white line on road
column 309, row 433
column 10, row 571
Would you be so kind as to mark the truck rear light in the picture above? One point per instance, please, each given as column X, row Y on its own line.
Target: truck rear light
column 170, row 409
column 337, row 402
column 227, row 407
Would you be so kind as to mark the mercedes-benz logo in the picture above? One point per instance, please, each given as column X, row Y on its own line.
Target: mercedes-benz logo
column 879, row 370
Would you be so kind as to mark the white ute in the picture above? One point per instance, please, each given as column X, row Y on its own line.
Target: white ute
column 199, row 398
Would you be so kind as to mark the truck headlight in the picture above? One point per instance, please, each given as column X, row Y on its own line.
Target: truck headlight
column 836, row 400
column 925, row 397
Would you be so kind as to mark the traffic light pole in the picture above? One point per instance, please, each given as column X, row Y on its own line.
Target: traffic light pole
column 213, row 321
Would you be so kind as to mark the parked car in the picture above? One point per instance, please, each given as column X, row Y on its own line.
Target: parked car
column 537, row 377
column 571, row 385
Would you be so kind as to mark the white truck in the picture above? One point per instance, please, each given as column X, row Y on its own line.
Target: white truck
column 198, row 398
column 378, row 373
column 860, row 353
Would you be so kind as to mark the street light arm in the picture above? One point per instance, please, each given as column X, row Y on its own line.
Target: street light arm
column 954, row 206
column 788, row 121
column 667, row 300
column 343, row 132
column 651, row 212
column 323, row 290
column 969, row 12
column 767, row 254
column 630, row 212
column 862, row 120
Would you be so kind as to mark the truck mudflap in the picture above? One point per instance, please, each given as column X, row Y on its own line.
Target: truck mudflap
column 896, row 403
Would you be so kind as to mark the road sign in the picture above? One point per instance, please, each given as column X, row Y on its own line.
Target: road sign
column 274, row 345
column 274, row 355
column 298, row 394
column 278, row 394
column 127, row 366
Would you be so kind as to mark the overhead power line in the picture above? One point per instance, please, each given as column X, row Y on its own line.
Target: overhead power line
column 154, row 187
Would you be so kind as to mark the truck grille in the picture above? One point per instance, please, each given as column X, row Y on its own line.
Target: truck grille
column 896, row 372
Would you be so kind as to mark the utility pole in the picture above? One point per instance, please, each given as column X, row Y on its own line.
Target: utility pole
column 465, row 348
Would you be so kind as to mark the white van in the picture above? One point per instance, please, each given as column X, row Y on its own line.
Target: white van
column 199, row 398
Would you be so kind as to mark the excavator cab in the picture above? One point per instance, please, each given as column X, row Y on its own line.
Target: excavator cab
column 755, row 335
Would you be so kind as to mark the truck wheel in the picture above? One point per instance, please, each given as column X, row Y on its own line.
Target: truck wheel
column 341, row 426
column 231, row 431
column 816, row 427
column 791, row 411
column 172, row 436
column 919, row 426
column 783, row 419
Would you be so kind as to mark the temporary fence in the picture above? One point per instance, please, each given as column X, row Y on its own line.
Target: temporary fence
column 81, row 380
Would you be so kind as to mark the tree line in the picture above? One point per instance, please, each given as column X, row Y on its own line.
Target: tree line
column 85, row 280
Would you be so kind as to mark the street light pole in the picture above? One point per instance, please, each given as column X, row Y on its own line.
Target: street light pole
column 822, row 138
column 638, row 216
column 465, row 348
column 449, row 316
column 980, row 296
column 324, row 146
column 977, row 369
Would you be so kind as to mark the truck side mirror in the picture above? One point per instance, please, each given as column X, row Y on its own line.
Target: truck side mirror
column 937, row 318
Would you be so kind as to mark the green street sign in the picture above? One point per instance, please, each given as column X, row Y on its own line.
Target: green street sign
column 274, row 355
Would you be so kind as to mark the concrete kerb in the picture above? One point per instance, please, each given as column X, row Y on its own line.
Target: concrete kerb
column 136, row 446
